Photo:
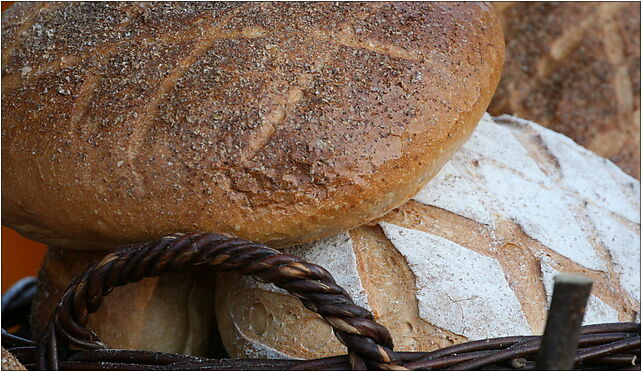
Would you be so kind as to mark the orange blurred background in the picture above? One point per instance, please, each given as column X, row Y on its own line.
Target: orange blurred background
column 20, row 256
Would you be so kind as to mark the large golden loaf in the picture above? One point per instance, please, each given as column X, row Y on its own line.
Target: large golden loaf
column 279, row 123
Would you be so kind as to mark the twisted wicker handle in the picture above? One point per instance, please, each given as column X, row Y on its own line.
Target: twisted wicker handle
column 368, row 343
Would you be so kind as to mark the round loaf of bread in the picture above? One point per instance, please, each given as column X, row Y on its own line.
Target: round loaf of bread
column 173, row 313
column 279, row 123
column 574, row 67
column 471, row 256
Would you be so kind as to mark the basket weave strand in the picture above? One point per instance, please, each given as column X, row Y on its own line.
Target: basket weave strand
column 611, row 346
column 368, row 343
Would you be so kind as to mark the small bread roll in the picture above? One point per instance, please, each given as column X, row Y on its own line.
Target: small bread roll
column 574, row 67
column 10, row 363
column 471, row 256
column 279, row 123
column 173, row 313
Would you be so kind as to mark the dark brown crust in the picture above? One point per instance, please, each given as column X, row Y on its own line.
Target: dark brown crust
column 278, row 123
column 575, row 68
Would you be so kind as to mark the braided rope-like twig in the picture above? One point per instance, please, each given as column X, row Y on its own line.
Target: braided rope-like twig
column 616, row 347
column 368, row 343
column 612, row 346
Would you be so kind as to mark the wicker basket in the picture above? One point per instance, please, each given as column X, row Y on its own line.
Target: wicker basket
column 67, row 344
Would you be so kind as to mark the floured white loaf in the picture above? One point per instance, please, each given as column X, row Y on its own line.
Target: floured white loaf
column 473, row 255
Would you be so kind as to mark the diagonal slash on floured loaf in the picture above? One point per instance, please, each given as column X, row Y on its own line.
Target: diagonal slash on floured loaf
column 472, row 254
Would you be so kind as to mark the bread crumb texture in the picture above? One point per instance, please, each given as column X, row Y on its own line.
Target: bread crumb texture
column 10, row 363
column 473, row 254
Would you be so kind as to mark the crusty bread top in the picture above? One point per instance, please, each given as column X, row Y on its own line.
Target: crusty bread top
column 279, row 123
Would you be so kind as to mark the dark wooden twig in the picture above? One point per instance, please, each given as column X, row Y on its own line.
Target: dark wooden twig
column 597, row 351
column 561, row 335
column 496, row 343
column 601, row 347
column 610, row 348
column 611, row 328
column 128, row 356
column 19, row 295
column 453, row 359
column 514, row 351
column 614, row 359
column 10, row 340
column 16, row 307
